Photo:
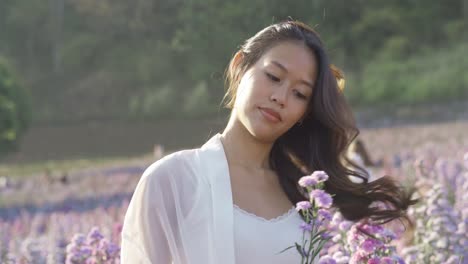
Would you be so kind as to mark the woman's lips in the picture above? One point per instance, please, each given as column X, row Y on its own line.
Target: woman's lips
column 270, row 114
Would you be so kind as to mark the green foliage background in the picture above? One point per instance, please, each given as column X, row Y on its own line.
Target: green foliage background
column 148, row 59
column 15, row 112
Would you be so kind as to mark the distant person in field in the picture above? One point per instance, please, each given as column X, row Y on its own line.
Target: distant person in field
column 358, row 148
column 358, row 153
column 232, row 200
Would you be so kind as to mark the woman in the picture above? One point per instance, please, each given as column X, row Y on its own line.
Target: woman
column 232, row 200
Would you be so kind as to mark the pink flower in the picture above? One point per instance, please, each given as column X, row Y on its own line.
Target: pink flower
column 374, row 260
column 387, row 260
column 352, row 236
column 358, row 257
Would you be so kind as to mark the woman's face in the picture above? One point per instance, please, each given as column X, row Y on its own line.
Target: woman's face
column 274, row 93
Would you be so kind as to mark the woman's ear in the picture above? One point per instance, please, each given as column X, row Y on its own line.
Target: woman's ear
column 237, row 58
column 340, row 79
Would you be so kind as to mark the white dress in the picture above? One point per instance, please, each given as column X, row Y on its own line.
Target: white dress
column 182, row 213
column 259, row 240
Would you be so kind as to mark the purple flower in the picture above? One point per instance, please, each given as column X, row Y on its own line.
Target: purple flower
column 321, row 198
column 304, row 205
column 319, row 176
column 112, row 250
column 78, row 239
column 388, row 234
column 313, row 179
column 79, row 254
column 370, row 245
column 324, row 215
column 398, row 260
column 372, row 229
column 327, row 260
column 94, row 235
column 108, row 249
column 307, row 181
column 85, row 252
column 345, row 225
column 306, row 227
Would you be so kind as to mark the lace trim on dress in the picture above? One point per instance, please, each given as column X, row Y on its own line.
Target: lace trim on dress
column 272, row 220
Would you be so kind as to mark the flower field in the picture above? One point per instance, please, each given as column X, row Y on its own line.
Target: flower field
column 77, row 217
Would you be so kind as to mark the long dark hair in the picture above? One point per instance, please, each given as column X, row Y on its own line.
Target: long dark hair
column 321, row 140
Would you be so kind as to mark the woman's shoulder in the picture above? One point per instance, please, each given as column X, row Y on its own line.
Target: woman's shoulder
column 186, row 166
column 184, row 156
column 177, row 167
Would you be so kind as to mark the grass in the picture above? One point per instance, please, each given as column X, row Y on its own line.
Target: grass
column 34, row 168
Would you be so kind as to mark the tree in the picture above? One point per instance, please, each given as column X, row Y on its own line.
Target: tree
column 15, row 110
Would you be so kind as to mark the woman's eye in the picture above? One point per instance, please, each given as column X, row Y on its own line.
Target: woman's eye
column 299, row 95
column 272, row 77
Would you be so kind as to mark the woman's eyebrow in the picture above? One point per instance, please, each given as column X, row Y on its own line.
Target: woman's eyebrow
column 286, row 70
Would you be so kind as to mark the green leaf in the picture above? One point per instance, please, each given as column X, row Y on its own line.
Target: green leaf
column 299, row 249
column 288, row 248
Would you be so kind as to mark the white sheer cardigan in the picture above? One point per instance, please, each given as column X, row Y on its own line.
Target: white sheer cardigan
column 182, row 210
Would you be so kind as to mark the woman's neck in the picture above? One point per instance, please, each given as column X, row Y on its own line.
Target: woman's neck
column 243, row 149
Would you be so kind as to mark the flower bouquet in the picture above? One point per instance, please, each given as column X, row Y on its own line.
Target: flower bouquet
column 331, row 239
column 361, row 242
column 316, row 215
column 93, row 249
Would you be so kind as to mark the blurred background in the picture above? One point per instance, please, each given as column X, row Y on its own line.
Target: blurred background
column 85, row 78
column 93, row 91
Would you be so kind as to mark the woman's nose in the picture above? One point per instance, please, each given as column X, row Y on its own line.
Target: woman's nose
column 280, row 95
